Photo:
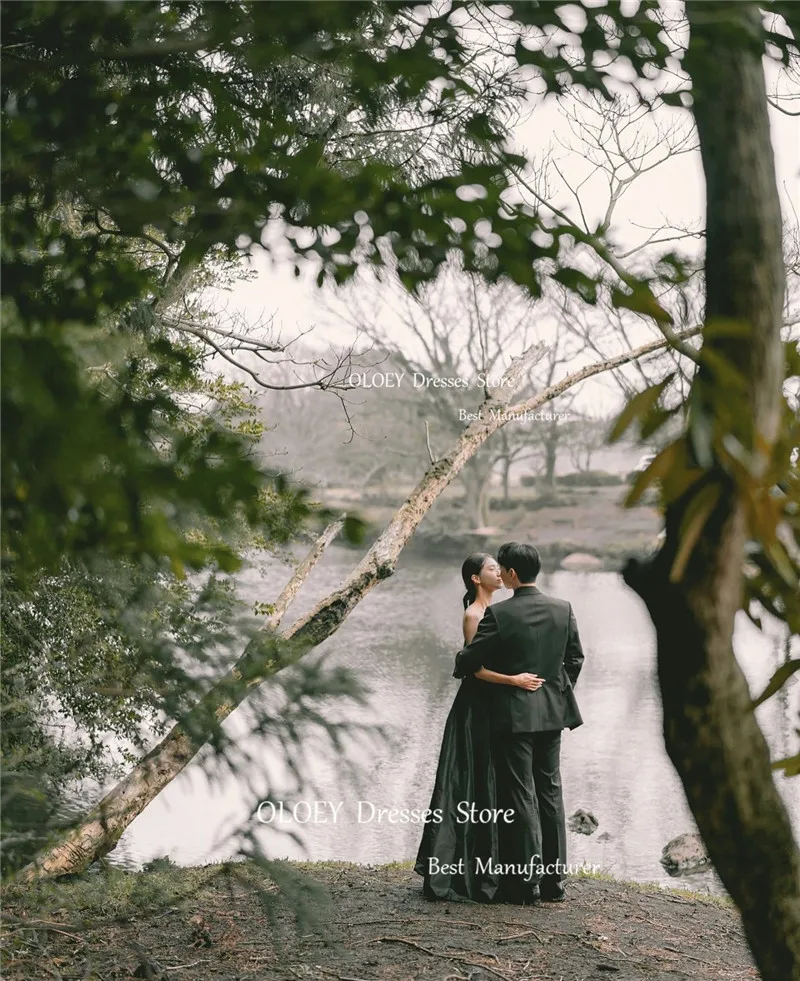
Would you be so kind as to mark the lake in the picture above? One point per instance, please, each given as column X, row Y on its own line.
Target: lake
column 401, row 641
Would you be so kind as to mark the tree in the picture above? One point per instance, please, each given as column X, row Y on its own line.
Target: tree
column 458, row 326
column 730, row 473
column 201, row 129
column 717, row 487
column 460, row 333
column 584, row 437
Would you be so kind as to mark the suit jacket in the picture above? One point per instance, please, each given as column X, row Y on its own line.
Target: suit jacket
column 531, row 632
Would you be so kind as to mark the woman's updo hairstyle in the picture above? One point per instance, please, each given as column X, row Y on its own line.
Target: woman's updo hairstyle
column 472, row 567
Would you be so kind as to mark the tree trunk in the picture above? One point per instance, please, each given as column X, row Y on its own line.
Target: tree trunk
column 550, row 453
column 710, row 731
column 268, row 653
column 476, row 476
column 506, row 478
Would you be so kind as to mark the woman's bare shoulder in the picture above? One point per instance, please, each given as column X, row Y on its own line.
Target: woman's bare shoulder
column 473, row 613
column 472, row 617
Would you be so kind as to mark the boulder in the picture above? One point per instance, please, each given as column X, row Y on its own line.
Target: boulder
column 583, row 822
column 684, row 854
column 581, row 562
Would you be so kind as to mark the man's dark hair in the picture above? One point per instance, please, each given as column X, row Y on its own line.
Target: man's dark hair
column 523, row 559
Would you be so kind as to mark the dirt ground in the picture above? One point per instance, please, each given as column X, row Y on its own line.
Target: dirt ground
column 368, row 924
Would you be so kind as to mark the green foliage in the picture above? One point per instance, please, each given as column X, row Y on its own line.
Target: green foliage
column 640, row 407
column 81, row 469
column 111, row 893
column 550, row 499
column 583, row 478
column 719, row 448
column 95, row 661
column 590, row 478
column 547, row 499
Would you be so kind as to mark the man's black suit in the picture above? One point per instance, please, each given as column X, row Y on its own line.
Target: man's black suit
column 530, row 632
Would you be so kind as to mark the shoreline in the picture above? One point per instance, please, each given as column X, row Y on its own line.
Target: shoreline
column 322, row 920
column 454, row 545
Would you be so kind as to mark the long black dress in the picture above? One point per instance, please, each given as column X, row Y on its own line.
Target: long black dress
column 465, row 775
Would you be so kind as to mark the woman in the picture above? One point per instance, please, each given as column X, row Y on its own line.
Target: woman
column 465, row 777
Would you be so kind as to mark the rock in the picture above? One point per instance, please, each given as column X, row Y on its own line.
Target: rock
column 583, row 822
column 683, row 854
column 605, row 836
column 581, row 562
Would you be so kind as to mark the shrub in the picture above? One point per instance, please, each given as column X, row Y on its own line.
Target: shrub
column 528, row 480
column 590, row 478
column 501, row 504
column 550, row 499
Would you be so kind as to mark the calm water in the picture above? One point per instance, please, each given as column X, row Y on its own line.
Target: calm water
column 401, row 640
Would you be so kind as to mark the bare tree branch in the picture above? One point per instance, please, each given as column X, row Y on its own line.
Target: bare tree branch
column 302, row 572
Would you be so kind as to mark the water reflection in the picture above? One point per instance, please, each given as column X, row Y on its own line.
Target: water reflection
column 401, row 640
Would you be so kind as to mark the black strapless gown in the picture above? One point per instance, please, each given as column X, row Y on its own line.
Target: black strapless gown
column 465, row 775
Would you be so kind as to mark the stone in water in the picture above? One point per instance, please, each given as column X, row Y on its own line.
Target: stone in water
column 583, row 822
column 684, row 854
column 581, row 562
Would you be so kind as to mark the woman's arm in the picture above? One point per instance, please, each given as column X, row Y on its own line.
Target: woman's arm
column 524, row 680
column 529, row 681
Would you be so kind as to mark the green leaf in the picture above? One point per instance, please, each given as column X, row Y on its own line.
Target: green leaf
column 697, row 513
column 701, row 434
column 777, row 681
column 781, row 563
column 578, row 282
column 675, row 98
column 790, row 765
column 659, row 467
column 655, row 419
column 639, row 405
column 640, row 300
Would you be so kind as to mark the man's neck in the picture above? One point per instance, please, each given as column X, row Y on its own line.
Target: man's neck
column 521, row 584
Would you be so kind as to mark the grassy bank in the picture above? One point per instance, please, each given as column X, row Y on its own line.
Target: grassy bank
column 357, row 923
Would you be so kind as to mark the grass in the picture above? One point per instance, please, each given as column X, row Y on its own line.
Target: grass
column 655, row 887
column 111, row 894
column 114, row 895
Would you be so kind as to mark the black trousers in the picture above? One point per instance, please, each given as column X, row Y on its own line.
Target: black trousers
column 529, row 782
column 549, row 797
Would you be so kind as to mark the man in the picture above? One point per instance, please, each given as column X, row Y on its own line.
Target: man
column 535, row 633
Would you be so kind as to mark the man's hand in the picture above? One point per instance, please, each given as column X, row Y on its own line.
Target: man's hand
column 530, row 682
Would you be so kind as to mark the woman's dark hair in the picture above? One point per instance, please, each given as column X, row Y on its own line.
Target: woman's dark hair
column 472, row 567
column 522, row 558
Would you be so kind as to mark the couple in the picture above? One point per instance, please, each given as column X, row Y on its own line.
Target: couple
column 497, row 832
